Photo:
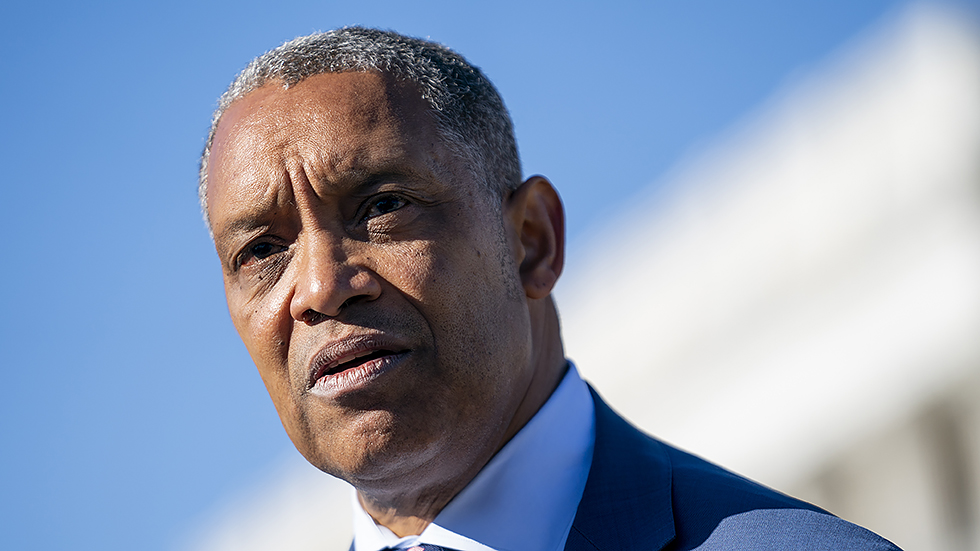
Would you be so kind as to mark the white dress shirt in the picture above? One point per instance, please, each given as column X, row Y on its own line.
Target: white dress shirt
column 525, row 498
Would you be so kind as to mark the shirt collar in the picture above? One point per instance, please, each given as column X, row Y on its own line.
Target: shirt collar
column 525, row 498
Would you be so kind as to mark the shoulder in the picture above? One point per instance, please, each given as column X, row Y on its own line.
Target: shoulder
column 645, row 494
column 715, row 509
column 787, row 529
column 707, row 491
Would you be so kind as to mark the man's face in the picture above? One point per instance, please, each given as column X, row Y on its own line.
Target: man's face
column 372, row 280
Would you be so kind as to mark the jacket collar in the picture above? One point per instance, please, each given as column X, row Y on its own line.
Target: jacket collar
column 627, row 500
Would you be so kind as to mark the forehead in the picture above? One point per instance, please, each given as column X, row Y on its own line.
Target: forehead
column 334, row 124
column 332, row 106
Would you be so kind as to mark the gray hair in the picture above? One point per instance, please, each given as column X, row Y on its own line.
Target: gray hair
column 469, row 113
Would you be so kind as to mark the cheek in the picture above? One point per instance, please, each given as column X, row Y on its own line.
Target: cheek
column 465, row 292
column 264, row 324
column 449, row 285
column 413, row 268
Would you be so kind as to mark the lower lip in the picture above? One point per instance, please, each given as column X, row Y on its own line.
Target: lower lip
column 356, row 378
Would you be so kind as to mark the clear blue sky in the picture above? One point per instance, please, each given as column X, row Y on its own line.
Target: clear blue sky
column 129, row 405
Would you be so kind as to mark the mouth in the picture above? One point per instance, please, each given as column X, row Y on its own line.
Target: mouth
column 352, row 363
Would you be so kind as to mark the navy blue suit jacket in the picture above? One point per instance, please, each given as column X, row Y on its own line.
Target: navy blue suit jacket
column 642, row 494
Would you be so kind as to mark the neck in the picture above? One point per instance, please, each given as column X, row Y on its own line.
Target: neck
column 393, row 517
column 410, row 513
column 548, row 357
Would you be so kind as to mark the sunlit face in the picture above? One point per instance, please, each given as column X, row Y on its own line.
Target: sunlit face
column 372, row 281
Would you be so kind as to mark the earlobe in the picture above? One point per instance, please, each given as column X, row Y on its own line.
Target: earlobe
column 539, row 218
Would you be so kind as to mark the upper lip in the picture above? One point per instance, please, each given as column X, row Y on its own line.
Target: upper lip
column 341, row 351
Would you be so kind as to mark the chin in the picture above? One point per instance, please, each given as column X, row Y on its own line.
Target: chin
column 368, row 447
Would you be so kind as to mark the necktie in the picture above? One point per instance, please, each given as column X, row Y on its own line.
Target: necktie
column 420, row 547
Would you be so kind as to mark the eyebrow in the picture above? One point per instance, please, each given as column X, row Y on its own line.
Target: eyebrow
column 242, row 225
column 356, row 181
column 352, row 182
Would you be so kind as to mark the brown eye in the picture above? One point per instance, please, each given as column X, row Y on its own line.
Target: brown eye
column 384, row 205
column 262, row 250
column 259, row 251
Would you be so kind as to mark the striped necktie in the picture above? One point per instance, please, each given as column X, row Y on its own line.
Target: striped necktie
column 419, row 547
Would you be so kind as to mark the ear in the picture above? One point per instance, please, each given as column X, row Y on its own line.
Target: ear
column 535, row 212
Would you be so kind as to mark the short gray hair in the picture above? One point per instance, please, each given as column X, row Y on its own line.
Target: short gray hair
column 469, row 113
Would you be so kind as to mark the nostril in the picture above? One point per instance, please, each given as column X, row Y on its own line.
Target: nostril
column 312, row 317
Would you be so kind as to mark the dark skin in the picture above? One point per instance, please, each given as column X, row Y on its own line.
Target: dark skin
column 399, row 312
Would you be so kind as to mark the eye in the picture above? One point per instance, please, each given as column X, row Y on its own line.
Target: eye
column 383, row 205
column 259, row 251
column 262, row 250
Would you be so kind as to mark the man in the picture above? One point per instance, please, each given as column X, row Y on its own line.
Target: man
column 390, row 273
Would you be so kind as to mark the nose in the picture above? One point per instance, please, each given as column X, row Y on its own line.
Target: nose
column 328, row 281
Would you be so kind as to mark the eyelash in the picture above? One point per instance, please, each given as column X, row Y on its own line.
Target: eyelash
column 373, row 205
column 249, row 252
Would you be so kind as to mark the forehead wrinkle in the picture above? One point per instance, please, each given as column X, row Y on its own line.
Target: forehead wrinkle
column 339, row 168
column 251, row 212
column 299, row 191
column 332, row 138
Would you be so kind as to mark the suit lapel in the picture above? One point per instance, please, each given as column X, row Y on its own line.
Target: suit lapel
column 626, row 504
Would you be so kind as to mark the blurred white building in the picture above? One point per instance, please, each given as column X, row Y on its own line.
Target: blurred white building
column 800, row 303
